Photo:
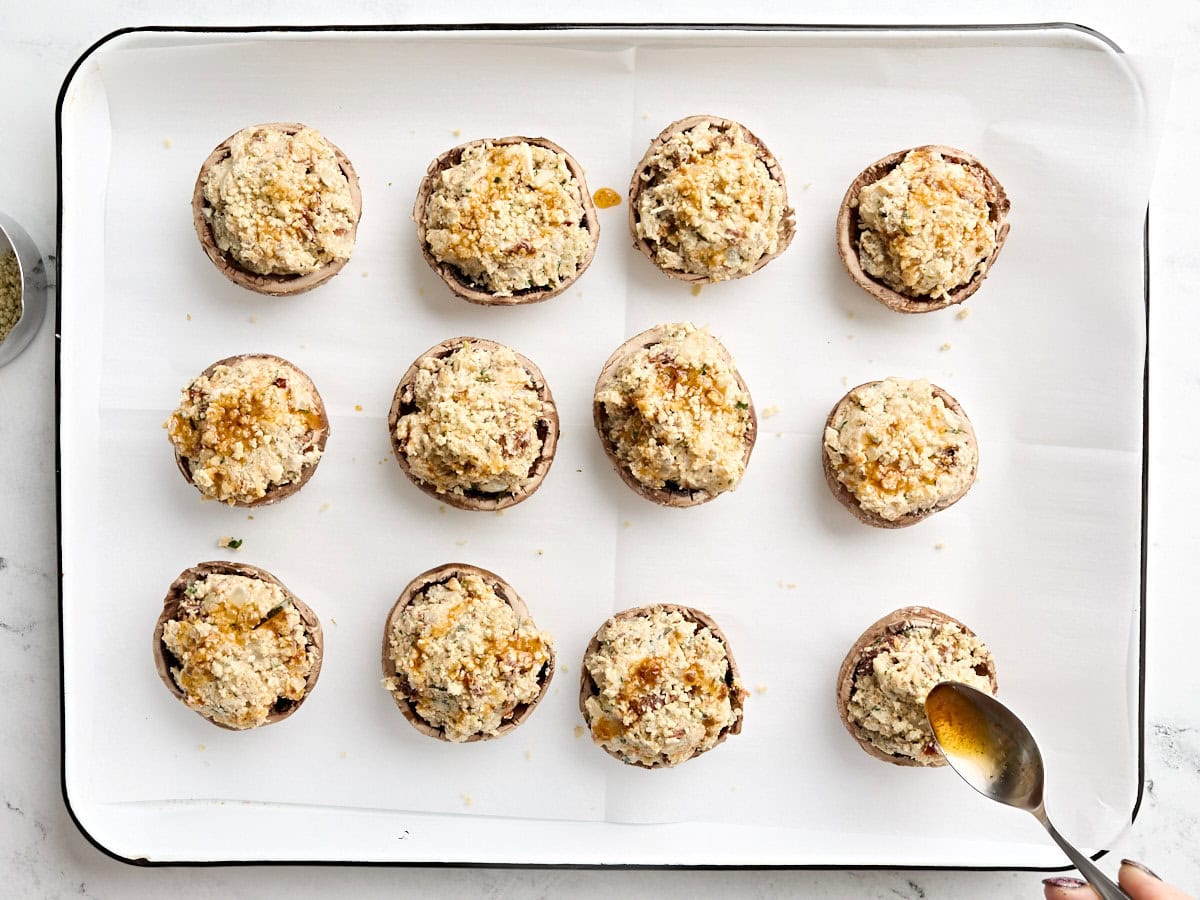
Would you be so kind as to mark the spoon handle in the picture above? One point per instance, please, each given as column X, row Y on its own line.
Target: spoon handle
column 1102, row 883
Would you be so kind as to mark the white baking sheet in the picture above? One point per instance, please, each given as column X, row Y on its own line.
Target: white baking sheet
column 1042, row 558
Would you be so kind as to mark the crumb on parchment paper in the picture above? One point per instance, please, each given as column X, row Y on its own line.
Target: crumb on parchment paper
column 229, row 543
column 760, row 689
column 945, row 347
column 578, row 731
column 772, row 410
column 963, row 313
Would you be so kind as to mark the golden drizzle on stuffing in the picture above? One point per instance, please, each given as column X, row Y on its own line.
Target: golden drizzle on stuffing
column 241, row 648
column 676, row 415
column 898, row 449
column 463, row 658
column 247, row 427
column 509, row 217
column 925, row 226
column 475, row 425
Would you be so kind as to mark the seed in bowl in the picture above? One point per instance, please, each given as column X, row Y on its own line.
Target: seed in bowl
column 462, row 657
column 659, row 686
column 276, row 208
column 898, row 450
column 506, row 221
column 236, row 646
column 890, row 670
column 10, row 293
column 920, row 229
column 249, row 430
column 674, row 415
column 708, row 201
column 473, row 424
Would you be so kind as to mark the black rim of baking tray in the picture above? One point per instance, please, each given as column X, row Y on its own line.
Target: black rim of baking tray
column 573, row 26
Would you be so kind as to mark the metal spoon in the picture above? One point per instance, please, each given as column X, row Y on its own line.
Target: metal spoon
column 993, row 752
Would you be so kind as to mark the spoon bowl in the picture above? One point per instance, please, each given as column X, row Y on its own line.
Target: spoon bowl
column 988, row 746
column 993, row 752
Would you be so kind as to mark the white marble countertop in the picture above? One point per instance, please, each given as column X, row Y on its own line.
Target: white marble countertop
column 41, row 852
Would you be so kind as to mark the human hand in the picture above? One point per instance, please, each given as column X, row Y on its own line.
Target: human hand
column 1134, row 878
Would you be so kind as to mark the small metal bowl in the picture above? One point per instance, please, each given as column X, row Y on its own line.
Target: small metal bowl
column 33, row 288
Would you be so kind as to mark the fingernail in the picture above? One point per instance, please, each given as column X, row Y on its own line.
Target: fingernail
column 1140, row 868
column 1064, row 882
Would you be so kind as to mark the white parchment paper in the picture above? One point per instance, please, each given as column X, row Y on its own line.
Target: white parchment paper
column 1042, row 558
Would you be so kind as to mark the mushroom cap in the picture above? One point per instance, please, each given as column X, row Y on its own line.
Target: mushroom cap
column 172, row 607
column 404, row 401
column 275, row 492
column 455, row 280
column 848, row 231
column 893, row 623
column 737, row 695
column 437, row 575
column 664, row 496
column 275, row 285
column 846, row 497
column 787, row 225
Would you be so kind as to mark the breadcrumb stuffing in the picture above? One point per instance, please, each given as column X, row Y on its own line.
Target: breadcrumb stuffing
column 898, row 448
column 509, row 217
column 240, row 648
column 463, row 658
column 246, row 427
column 280, row 203
column 897, row 673
column 475, row 422
column 663, row 688
column 708, row 204
column 925, row 226
column 676, row 414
